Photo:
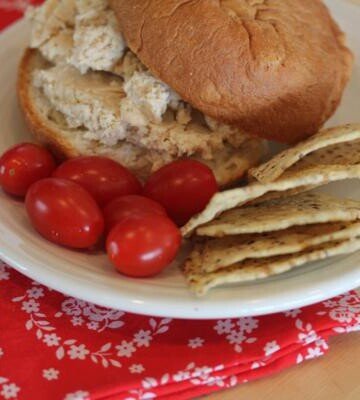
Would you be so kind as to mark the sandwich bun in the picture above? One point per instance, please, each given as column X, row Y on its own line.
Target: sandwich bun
column 50, row 129
column 275, row 68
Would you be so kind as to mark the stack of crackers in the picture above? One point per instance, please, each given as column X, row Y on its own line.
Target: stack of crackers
column 276, row 222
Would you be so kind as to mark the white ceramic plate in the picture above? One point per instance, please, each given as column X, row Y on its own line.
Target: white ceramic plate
column 92, row 278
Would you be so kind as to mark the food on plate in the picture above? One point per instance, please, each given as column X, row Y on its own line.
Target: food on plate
column 103, row 178
column 259, row 268
column 212, row 254
column 182, row 96
column 298, row 181
column 183, row 187
column 273, row 68
column 64, row 213
column 330, row 163
column 22, row 165
column 303, row 209
column 255, row 242
column 326, row 139
column 83, row 91
column 127, row 206
column 142, row 246
column 268, row 226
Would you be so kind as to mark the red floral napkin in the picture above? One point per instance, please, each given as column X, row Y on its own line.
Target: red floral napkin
column 61, row 348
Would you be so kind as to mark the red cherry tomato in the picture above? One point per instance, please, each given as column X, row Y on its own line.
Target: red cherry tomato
column 103, row 178
column 143, row 246
column 22, row 165
column 183, row 187
column 128, row 206
column 64, row 213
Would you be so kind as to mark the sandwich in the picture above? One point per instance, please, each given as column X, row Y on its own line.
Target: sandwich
column 149, row 82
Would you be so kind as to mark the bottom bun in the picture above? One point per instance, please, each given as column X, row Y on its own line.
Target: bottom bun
column 50, row 128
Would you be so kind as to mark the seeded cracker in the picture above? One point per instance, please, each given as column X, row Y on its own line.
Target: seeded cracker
column 211, row 254
column 309, row 176
column 271, row 170
column 337, row 162
column 303, row 209
column 252, row 269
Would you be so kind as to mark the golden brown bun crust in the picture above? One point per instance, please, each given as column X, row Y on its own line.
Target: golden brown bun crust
column 44, row 132
column 275, row 68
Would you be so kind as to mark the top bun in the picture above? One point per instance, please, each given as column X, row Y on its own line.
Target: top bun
column 275, row 68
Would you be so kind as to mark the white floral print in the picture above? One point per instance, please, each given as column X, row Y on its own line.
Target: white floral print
column 316, row 350
column 96, row 313
column 99, row 317
column 204, row 376
column 142, row 338
column 344, row 309
column 1, row 352
column 78, row 352
column 50, row 374
column 196, row 375
column 9, row 391
column 77, row 321
column 313, row 352
column 79, row 395
column 4, row 273
column 30, row 306
column 307, row 334
column 258, row 364
column 136, row 368
column 92, row 325
column 51, row 339
column 315, row 345
column 248, row 324
column 308, row 337
column 195, row 343
column 80, row 311
column 292, row 313
column 235, row 337
column 237, row 334
column 342, row 315
column 72, row 306
column 224, row 326
column 181, row 376
column 330, row 303
column 125, row 349
column 348, row 329
column 271, row 348
column 35, row 292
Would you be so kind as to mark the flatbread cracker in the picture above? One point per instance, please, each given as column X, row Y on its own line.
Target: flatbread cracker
column 333, row 138
column 212, row 254
column 305, row 178
column 252, row 269
column 304, row 209
column 280, row 195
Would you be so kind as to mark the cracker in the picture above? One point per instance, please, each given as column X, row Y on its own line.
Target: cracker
column 347, row 153
column 304, row 209
column 252, row 269
column 332, row 138
column 279, row 195
column 306, row 177
column 213, row 254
